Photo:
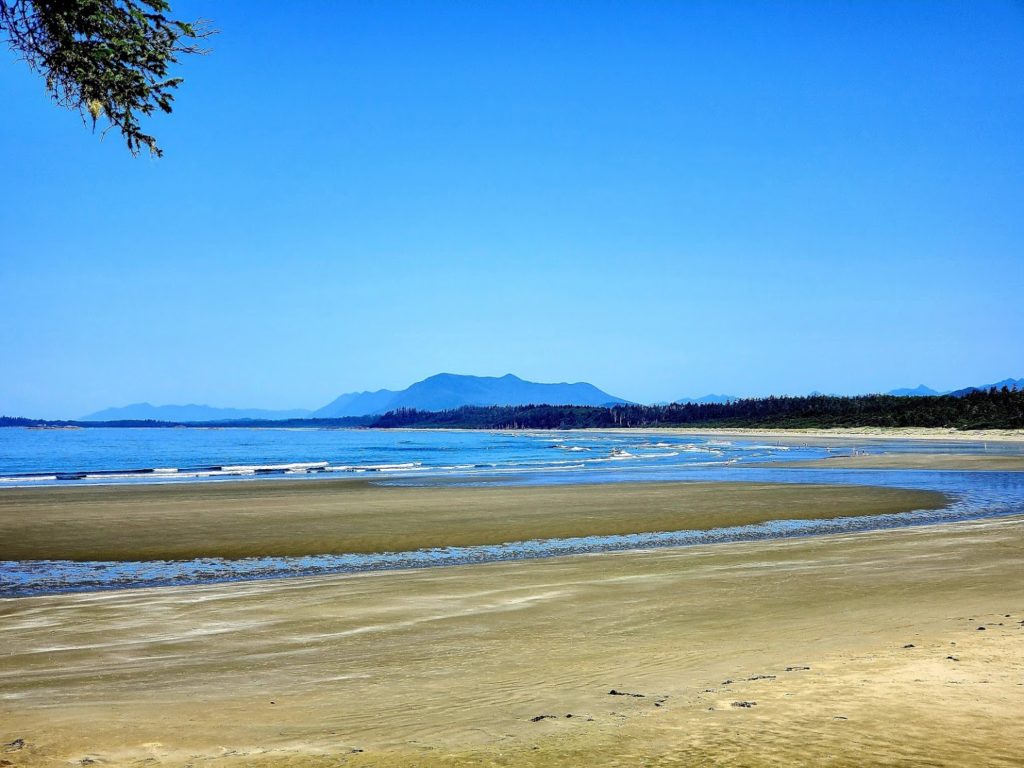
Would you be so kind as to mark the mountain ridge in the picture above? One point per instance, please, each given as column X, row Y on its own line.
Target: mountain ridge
column 709, row 398
column 923, row 390
column 1009, row 383
column 445, row 391
column 191, row 412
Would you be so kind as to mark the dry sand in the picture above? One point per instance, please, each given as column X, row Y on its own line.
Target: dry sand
column 297, row 517
column 855, row 433
column 850, row 650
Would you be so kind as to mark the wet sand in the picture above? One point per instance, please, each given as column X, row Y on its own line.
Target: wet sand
column 937, row 461
column 296, row 517
column 847, row 650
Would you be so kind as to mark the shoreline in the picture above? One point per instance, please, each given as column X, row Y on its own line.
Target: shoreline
column 840, row 433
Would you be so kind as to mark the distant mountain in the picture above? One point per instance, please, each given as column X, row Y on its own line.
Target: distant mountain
column 190, row 413
column 1010, row 383
column 357, row 404
column 443, row 392
column 708, row 399
column 448, row 390
column 919, row 391
column 924, row 391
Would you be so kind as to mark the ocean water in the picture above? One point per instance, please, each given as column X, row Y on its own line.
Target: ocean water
column 90, row 456
column 36, row 458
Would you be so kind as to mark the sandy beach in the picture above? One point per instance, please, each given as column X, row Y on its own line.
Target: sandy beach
column 895, row 647
column 855, row 433
column 848, row 650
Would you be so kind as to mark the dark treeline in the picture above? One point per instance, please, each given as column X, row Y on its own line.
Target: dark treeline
column 992, row 409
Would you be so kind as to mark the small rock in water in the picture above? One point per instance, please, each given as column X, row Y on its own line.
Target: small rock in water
column 953, row 658
column 981, row 629
column 796, row 669
column 762, row 677
column 538, row 718
column 613, row 692
column 744, row 704
column 909, row 645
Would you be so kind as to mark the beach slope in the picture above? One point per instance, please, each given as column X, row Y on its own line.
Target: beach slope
column 898, row 647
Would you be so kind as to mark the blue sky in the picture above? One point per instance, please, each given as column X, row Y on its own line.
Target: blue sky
column 664, row 199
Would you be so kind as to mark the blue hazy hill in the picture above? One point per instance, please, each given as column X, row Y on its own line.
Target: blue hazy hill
column 926, row 391
column 442, row 392
column 448, row 390
column 190, row 412
column 1009, row 383
column 357, row 404
column 920, row 390
column 707, row 399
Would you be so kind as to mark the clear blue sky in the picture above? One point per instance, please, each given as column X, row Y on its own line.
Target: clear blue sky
column 662, row 198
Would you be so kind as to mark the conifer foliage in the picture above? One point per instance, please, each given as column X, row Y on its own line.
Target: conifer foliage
column 106, row 59
column 980, row 409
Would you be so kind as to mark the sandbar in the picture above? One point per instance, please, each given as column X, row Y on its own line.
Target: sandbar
column 968, row 462
column 309, row 517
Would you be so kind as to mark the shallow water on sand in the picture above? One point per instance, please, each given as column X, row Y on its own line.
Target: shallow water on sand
column 975, row 495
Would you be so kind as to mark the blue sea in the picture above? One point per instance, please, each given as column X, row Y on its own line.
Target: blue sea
column 90, row 456
column 36, row 458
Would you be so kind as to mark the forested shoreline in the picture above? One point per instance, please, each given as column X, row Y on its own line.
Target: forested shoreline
column 991, row 409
